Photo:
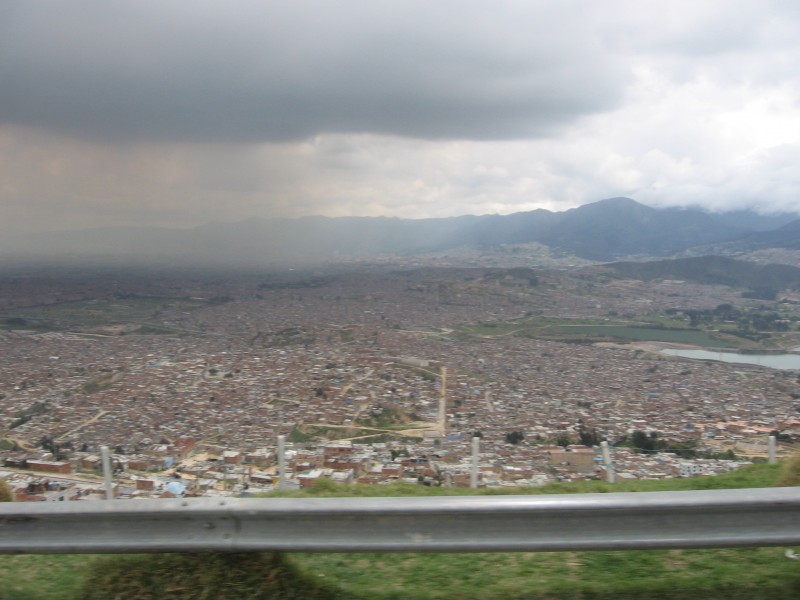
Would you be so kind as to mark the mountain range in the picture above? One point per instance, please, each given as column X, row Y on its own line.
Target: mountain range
column 602, row 231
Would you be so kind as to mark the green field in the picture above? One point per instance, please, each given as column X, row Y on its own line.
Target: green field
column 645, row 334
column 90, row 314
column 762, row 573
column 595, row 330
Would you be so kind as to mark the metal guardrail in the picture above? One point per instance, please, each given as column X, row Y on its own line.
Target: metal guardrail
column 617, row 521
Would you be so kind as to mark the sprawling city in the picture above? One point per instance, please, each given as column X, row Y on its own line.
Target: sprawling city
column 372, row 374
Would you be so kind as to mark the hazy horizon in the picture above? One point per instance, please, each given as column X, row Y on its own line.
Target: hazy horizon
column 256, row 219
column 609, row 229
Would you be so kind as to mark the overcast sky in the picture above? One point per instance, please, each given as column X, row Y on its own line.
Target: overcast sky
column 176, row 113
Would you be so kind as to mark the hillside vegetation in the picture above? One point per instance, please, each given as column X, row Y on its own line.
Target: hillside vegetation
column 712, row 270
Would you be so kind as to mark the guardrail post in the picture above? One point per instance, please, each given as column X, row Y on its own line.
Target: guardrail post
column 105, row 456
column 282, row 462
column 610, row 476
column 772, row 450
column 473, row 476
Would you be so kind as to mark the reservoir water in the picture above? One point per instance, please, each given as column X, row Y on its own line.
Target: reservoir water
column 773, row 361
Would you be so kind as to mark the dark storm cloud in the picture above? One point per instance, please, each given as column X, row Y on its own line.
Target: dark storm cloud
column 254, row 71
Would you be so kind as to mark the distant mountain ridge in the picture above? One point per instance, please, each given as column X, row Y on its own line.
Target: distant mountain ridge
column 601, row 231
column 787, row 236
column 619, row 227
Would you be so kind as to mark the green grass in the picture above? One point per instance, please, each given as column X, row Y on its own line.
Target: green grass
column 390, row 418
column 751, row 476
column 653, row 329
column 761, row 573
column 492, row 329
column 93, row 313
column 680, row 574
column 208, row 576
column 43, row 577
column 308, row 433
column 790, row 473
column 646, row 334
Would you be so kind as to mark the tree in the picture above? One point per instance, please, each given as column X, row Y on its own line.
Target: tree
column 588, row 437
column 641, row 441
column 724, row 309
column 780, row 437
column 563, row 439
column 514, row 437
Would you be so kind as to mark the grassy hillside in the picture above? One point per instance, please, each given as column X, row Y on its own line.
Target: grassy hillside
column 712, row 270
column 686, row 574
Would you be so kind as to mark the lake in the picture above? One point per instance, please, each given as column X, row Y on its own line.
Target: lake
column 773, row 361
